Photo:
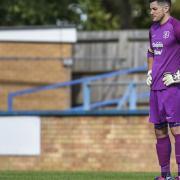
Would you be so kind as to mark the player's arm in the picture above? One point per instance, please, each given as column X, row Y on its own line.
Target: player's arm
column 150, row 58
column 172, row 78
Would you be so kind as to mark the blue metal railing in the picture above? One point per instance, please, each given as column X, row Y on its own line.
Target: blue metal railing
column 113, row 102
column 130, row 94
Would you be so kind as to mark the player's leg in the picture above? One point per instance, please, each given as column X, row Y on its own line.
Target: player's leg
column 175, row 129
column 163, row 147
column 172, row 106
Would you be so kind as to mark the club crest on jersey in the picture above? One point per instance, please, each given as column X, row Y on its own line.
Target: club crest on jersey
column 166, row 34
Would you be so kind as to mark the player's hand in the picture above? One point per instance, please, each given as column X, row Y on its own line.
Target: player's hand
column 149, row 78
column 170, row 78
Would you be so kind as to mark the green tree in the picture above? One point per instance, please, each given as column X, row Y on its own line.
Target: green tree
column 85, row 14
column 176, row 9
column 121, row 10
column 134, row 13
column 97, row 17
column 41, row 12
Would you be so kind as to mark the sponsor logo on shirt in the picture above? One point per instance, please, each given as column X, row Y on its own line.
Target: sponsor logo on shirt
column 157, row 52
column 158, row 46
column 166, row 34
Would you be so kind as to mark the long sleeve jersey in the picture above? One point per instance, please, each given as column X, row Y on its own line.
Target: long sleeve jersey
column 165, row 49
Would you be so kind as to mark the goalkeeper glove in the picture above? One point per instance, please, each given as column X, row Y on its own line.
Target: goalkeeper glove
column 170, row 78
column 149, row 78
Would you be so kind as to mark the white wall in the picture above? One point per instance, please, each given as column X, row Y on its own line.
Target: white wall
column 20, row 135
column 39, row 35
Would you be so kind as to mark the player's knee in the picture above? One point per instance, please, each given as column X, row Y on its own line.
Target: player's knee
column 177, row 148
column 175, row 128
column 161, row 133
column 159, row 136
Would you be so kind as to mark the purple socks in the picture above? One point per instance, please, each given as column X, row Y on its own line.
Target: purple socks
column 177, row 151
column 163, row 148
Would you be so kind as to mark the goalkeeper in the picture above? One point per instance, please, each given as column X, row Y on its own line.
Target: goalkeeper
column 164, row 80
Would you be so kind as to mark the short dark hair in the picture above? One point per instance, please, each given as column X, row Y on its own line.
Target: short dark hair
column 162, row 1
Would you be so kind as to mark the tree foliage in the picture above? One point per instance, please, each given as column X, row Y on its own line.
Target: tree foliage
column 85, row 14
column 41, row 12
column 97, row 16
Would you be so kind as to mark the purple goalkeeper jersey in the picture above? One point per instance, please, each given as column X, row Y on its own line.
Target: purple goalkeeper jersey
column 165, row 46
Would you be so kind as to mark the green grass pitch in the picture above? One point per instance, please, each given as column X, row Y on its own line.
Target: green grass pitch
column 75, row 176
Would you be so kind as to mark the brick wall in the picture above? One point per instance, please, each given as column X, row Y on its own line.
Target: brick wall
column 92, row 143
column 35, row 49
column 18, row 74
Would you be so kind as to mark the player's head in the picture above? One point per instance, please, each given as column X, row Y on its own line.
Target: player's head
column 159, row 9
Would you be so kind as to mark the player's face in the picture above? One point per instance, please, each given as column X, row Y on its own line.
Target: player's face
column 157, row 11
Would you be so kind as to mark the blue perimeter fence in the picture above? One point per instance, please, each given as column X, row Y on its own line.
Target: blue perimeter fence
column 130, row 95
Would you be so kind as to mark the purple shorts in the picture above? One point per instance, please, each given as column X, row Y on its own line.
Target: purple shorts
column 165, row 105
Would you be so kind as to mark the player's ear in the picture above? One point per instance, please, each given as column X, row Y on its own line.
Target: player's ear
column 166, row 8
